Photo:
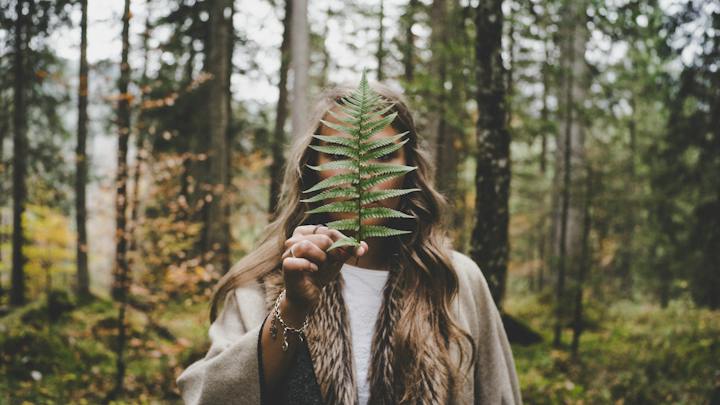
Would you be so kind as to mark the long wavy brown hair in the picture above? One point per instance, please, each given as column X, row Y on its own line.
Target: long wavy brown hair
column 423, row 253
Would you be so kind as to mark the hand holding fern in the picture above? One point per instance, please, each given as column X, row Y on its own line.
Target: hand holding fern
column 313, row 265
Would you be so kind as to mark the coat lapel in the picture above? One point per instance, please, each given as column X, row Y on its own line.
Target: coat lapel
column 329, row 342
column 330, row 345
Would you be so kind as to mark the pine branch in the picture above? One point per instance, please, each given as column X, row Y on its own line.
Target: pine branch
column 364, row 116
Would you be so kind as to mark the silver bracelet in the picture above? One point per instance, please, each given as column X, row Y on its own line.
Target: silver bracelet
column 274, row 329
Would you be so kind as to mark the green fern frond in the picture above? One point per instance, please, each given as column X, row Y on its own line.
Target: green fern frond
column 335, row 150
column 336, row 139
column 372, row 196
column 382, row 231
column 345, row 192
column 338, row 164
column 334, row 181
column 363, row 113
column 381, row 142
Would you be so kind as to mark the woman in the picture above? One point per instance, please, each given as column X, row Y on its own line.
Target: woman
column 399, row 320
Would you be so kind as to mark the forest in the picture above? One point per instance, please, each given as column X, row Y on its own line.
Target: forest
column 577, row 142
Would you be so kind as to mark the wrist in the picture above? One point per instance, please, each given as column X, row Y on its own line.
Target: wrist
column 293, row 312
column 292, row 315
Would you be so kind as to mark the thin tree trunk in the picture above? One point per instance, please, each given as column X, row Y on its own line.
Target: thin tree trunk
column 218, row 238
column 140, row 150
column 83, row 276
column 443, row 137
column 188, row 181
column 381, row 43
column 572, row 151
column 408, row 51
column 300, row 62
column 489, row 245
column 122, row 276
column 544, row 118
column 17, row 292
column 229, row 137
column 452, row 150
column 3, row 197
column 278, row 141
column 624, row 273
column 585, row 264
column 325, row 53
column 560, row 285
column 510, row 71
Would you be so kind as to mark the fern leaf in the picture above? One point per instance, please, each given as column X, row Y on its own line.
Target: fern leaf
column 362, row 114
column 382, row 212
column 344, row 224
column 333, row 181
column 385, row 150
column 346, row 241
column 345, row 192
column 348, row 118
column 381, row 231
column 372, row 196
column 376, row 126
column 337, row 206
column 340, row 140
column 335, row 150
column 338, row 164
column 338, row 127
column 380, row 142
column 373, row 168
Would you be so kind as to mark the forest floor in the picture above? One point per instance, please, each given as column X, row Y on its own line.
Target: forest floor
column 632, row 353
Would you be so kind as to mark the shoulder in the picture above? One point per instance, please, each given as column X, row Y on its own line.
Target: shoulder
column 245, row 304
column 467, row 269
column 471, row 279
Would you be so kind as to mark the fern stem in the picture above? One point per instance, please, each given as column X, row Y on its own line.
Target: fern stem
column 358, row 187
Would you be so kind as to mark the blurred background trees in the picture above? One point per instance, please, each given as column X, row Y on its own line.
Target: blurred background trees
column 142, row 145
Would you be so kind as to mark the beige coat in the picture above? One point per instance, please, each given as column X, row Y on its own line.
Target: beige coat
column 229, row 372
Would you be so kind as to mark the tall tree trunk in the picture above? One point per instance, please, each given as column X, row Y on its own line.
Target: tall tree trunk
column 217, row 225
column 626, row 251
column 122, row 276
column 325, row 52
column 408, row 51
column 585, row 264
column 445, row 157
column 188, row 177
column 300, row 54
column 380, row 55
column 229, row 139
column 571, row 149
column 83, row 276
column 140, row 149
column 4, row 125
column 542, row 238
column 438, row 67
column 511, row 64
column 17, row 292
column 278, row 141
column 489, row 244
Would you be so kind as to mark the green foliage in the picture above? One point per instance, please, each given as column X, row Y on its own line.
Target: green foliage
column 364, row 116
column 72, row 361
column 638, row 353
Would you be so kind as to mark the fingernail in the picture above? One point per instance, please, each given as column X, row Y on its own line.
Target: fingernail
column 314, row 267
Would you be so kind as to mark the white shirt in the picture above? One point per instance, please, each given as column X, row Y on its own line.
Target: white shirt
column 363, row 294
